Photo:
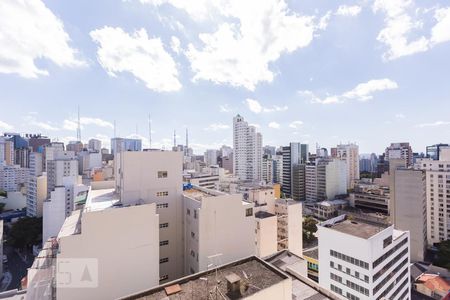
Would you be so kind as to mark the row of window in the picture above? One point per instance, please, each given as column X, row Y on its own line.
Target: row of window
column 162, row 194
column 163, row 260
column 163, row 225
column 348, row 271
column 390, row 264
column 389, row 253
column 163, row 243
column 349, row 259
column 188, row 212
column 162, row 205
column 392, row 274
column 350, row 284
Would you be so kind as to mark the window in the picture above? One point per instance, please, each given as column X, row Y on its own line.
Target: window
column 192, row 234
column 162, row 194
column 192, row 253
column 387, row 241
column 162, row 205
column 163, row 260
column 162, row 174
column 163, row 243
column 163, row 225
column 195, row 214
column 249, row 212
column 164, row 277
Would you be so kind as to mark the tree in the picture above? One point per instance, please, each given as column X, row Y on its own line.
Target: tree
column 443, row 254
column 2, row 207
column 309, row 228
column 25, row 233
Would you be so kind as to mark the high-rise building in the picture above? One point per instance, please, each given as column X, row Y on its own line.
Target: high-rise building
column 37, row 142
column 269, row 150
column 433, row 151
column 399, row 151
column 6, row 151
column 125, row 144
column 13, row 177
column 350, row 154
column 75, row 146
column 211, row 157
column 438, row 193
column 247, row 147
column 364, row 260
column 63, row 164
column 267, row 169
column 325, row 179
column 277, row 168
column 156, row 177
column 410, row 212
column 37, row 186
column 95, row 145
column 293, row 155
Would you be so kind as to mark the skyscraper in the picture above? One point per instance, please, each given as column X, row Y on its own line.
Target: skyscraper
column 400, row 150
column 293, row 155
column 247, row 144
column 349, row 153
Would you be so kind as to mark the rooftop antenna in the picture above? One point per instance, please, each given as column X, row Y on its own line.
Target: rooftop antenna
column 79, row 126
column 115, row 129
column 187, row 138
column 174, row 138
column 150, row 131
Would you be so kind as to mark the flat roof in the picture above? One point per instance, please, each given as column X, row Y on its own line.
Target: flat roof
column 263, row 214
column 101, row 199
column 358, row 228
column 286, row 201
column 255, row 272
column 313, row 253
column 198, row 193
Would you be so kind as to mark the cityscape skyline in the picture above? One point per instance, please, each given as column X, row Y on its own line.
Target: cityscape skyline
column 294, row 86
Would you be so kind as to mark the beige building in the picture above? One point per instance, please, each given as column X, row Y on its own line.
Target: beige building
column 156, row 177
column 350, row 154
column 266, row 240
column 289, row 225
column 218, row 228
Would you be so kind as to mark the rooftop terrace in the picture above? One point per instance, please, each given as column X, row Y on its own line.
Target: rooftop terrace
column 254, row 274
column 198, row 193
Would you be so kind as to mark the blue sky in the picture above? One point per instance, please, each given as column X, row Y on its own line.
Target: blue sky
column 370, row 72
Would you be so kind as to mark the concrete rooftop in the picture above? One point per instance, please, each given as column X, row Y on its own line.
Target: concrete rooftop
column 358, row 228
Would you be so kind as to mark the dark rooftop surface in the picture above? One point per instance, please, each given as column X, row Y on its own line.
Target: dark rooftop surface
column 314, row 253
column 263, row 214
column 358, row 228
column 255, row 273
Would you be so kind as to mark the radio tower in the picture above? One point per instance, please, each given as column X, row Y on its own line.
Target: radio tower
column 79, row 126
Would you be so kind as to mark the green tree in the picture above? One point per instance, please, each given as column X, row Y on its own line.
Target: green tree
column 443, row 254
column 309, row 228
column 25, row 233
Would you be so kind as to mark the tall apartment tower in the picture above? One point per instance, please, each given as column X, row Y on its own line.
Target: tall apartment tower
column 247, row 145
column 349, row 153
column 438, row 193
column 293, row 155
column 363, row 260
column 95, row 145
column 6, row 151
column 410, row 212
column 156, row 177
column 399, row 151
column 37, row 186
column 325, row 179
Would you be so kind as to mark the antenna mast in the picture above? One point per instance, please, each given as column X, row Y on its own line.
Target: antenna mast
column 150, row 131
column 79, row 126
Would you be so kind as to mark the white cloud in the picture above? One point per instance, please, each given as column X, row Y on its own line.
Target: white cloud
column 138, row 54
column 362, row 92
column 225, row 108
column 346, row 10
column 255, row 125
column 95, row 121
column 31, row 120
column 441, row 31
column 217, row 126
column 398, row 25
column 296, row 124
column 70, row 125
column 250, row 35
column 29, row 31
column 254, row 106
column 434, row 124
column 400, row 116
column 5, row 126
column 175, row 44
column 274, row 125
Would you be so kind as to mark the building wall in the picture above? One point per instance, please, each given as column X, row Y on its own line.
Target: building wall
column 410, row 209
column 266, row 236
column 137, row 181
column 127, row 251
column 349, row 153
column 281, row 290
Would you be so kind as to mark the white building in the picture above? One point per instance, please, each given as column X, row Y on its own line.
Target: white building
column 266, row 240
column 95, row 145
column 267, row 170
column 114, row 260
column 438, row 193
column 350, row 154
column 361, row 260
column 289, row 225
column 247, row 155
column 399, row 151
column 37, row 186
column 63, row 164
column 325, row 179
column 210, row 157
column 88, row 161
column 156, row 177
column 219, row 228
column 13, row 177
column 6, row 151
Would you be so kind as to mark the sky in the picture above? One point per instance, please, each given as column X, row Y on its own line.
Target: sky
column 312, row 71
